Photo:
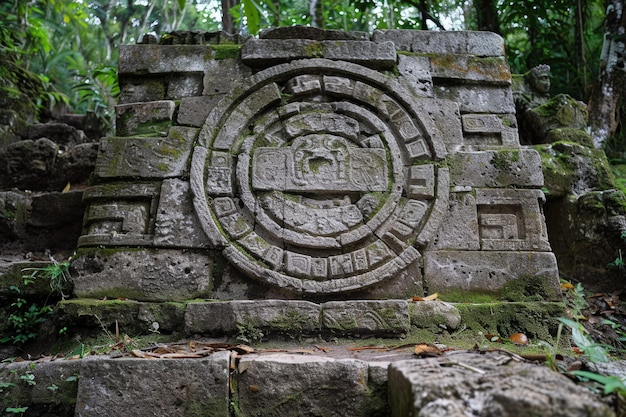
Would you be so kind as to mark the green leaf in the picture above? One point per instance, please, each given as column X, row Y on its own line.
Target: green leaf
column 181, row 4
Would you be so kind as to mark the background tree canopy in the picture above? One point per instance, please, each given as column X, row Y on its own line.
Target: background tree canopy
column 61, row 52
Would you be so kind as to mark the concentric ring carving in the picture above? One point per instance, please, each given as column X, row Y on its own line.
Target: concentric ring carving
column 319, row 177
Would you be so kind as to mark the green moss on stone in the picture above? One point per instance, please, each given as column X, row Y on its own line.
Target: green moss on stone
column 226, row 51
column 536, row 320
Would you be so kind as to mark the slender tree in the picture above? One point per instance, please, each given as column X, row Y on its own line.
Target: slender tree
column 606, row 96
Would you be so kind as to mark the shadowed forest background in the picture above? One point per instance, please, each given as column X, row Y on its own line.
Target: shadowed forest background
column 60, row 56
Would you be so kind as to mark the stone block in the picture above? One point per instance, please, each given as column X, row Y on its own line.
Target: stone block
column 435, row 315
column 127, row 221
column 289, row 385
column 39, row 396
column 450, row 42
column 385, row 317
column 176, row 223
column 490, row 130
column 224, row 75
column 184, row 85
column 128, row 316
column 486, row 271
column 267, row 52
column 141, row 89
column 485, row 385
column 193, row 111
column 53, row 210
column 415, row 74
column 498, row 168
column 143, row 274
column 286, row 317
column 478, row 99
column 140, row 157
column 144, row 118
column 135, row 387
column 511, row 220
column 159, row 59
column 459, row 228
column 447, row 119
column 469, row 68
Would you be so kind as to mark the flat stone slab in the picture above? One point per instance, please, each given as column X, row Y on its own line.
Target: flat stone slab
column 141, row 387
column 306, row 386
column 491, row 384
column 294, row 318
column 266, row 52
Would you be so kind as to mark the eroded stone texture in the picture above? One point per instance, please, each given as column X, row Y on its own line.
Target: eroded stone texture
column 134, row 387
column 295, row 385
column 326, row 164
column 219, row 318
column 145, row 275
column 486, row 385
column 366, row 317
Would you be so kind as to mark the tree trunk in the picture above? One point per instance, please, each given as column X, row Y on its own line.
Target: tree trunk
column 605, row 98
column 487, row 16
column 228, row 24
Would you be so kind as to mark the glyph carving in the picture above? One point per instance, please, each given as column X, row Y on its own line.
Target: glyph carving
column 333, row 180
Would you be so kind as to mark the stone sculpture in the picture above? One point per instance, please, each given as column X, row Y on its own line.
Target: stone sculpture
column 315, row 164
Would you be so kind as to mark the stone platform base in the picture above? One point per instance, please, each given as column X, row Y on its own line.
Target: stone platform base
column 255, row 320
column 226, row 384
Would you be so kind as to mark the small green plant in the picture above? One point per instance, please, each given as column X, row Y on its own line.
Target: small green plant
column 618, row 263
column 24, row 320
column 57, row 273
column 16, row 410
column 248, row 332
column 25, row 317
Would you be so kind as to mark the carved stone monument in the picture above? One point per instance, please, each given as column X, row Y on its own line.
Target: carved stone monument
column 314, row 164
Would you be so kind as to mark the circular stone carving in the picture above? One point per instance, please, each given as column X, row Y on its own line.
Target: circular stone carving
column 319, row 177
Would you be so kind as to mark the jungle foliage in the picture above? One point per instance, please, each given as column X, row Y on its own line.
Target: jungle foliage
column 66, row 52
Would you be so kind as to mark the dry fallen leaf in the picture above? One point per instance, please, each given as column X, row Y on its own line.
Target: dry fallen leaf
column 519, row 338
column 431, row 297
column 426, row 350
column 566, row 286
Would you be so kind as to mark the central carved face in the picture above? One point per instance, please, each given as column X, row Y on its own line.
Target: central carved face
column 319, row 183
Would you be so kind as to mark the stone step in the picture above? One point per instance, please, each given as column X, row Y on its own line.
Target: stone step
column 226, row 384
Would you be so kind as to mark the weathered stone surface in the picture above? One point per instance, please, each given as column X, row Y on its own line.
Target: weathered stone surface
column 471, row 68
column 453, row 42
column 459, row 229
column 185, row 85
column 138, row 89
column 143, row 274
column 501, row 168
column 14, row 213
column 193, row 111
column 478, row 99
column 144, row 118
column 511, row 220
column 224, row 75
column 309, row 32
column 59, row 133
column 30, row 165
column 289, row 385
column 129, row 222
column 78, row 162
column 489, row 130
column 435, row 315
column 279, row 316
column 486, row 385
column 157, row 157
column 176, row 223
column 415, row 72
column 57, row 401
column 136, row 387
column 486, row 271
column 156, row 59
column 129, row 316
column 561, row 111
column 52, row 210
column 267, row 52
column 385, row 317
